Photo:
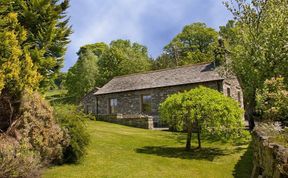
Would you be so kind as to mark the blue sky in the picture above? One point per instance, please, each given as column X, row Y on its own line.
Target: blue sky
column 152, row 23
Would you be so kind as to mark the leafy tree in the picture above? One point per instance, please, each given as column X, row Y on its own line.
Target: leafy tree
column 60, row 80
column 272, row 100
column 202, row 110
column 47, row 30
column 17, row 71
column 97, row 48
column 228, row 32
column 123, row 57
column 194, row 44
column 260, row 51
column 162, row 62
column 84, row 75
column 33, row 41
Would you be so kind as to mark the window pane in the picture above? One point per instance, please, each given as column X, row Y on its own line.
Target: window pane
column 239, row 96
column 146, row 104
column 113, row 106
column 228, row 92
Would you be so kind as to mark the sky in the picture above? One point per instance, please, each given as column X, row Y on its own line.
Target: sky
column 152, row 23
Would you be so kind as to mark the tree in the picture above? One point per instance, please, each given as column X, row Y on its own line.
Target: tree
column 60, row 80
column 33, row 42
column 162, row 62
column 123, row 57
column 228, row 33
column 272, row 100
column 202, row 110
column 47, row 30
column 84, row 75
column 194, row 44
column 261, row 50
column 17, row 71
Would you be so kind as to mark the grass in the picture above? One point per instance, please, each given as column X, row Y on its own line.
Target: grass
column 120, row 151
column 55, row 93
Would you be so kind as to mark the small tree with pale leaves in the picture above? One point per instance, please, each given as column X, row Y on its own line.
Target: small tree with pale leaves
column 203, row 110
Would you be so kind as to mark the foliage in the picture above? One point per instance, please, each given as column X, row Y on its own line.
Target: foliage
column 123, row 57
column 33, row 41
column 17, row 70
column 274, row 132
column 17, row 159
column 260, row 51
column 83, row 76
column 205, row 110
column 59, row 81
column 32, row 141
column 47, row 30
column 98, row 63
column 73, row 121
column 194, row 44
column 37, row 124
column 272, row 100
column 228, row 33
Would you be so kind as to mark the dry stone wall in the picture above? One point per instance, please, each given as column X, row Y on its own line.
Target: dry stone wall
column 139, row 121
column 270, row 159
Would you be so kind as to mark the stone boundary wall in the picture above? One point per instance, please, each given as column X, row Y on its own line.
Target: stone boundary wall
column 270, row 160
column 139, row 121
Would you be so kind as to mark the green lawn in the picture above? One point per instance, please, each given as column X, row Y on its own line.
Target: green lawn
column 120, row 151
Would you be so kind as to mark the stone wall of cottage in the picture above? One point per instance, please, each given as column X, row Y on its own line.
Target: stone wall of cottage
column 270, row 159
column 130, row 102
column 233, row 85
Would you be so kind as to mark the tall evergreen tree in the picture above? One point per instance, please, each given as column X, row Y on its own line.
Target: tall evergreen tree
column 48, row 31
column 17, row 71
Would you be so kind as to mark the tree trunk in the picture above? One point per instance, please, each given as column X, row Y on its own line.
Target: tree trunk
column 199, row 139
column 199, row 135
column 189, row 136
column 249, row 112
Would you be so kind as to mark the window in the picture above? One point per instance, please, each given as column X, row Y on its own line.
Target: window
column 113, row 106
column 239, row 96
column 229, row 92
column 146, row 104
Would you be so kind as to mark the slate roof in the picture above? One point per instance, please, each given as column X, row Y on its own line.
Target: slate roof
column 162, row 78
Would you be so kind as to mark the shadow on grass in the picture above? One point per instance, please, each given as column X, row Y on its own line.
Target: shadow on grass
column 244, row 166
column 180, row 137
column 175, row 152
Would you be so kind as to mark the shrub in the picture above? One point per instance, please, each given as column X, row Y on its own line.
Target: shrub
column 33, row 140
column 272, row 101
column 37, row 124
column 203, row 110
column 17, row 159
column 73, row 121
column 274, row 131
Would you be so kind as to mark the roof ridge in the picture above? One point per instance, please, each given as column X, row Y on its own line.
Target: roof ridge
column 160, row 70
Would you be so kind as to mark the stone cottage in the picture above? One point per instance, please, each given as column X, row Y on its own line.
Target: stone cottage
column 140, row 94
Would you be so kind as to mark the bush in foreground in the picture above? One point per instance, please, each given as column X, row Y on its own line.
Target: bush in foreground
column 73, row 121
column 17, row 159
column 203, row 110
column 33, row 140
column 273, row 100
